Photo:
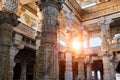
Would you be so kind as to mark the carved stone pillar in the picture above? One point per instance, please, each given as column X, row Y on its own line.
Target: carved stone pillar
column 89, row 67
column 105, row 35
column 23, row 70
column 68, row 70
column 8, row 20
column 81, row 74
column 46, row 61
column 14, row 48
column 113, row 71
column 89, row 71
column 12, row 63
column 106, row 67
column 13, row 51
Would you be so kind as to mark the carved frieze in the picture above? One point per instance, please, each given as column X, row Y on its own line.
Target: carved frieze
column 105, row 10
column 25, row 30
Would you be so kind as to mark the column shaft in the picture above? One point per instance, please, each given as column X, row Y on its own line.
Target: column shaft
column 68, row 70
column 105, row 35
column 12, row 63
column 46, row 62
column 8, row 20
column 106, row 67
column 13, row 51
column 89, row 71
column 113, row 72
column 81, row 74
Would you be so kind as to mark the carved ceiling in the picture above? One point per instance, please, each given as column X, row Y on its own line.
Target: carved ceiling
column 30, row 14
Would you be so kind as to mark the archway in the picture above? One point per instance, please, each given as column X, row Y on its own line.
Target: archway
column 24, row 68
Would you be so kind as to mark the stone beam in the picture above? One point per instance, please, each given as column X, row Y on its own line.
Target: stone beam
column 110, row 7
column 74, row 7
column 26, row 7
column 27, row 1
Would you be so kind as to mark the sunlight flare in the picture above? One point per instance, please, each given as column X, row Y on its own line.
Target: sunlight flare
column 76, row 45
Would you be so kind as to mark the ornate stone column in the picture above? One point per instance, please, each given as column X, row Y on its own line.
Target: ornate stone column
column 68, row 69
column 68, row 52
column 105, row 35
column 12, row 63
column 89, row 68
column 81, row 57
column 46, row 62
column 14, row 48
column 13, row 52
column 106, row 67
column 81, row 74
column 113, row 71
column 89, row 71
column 8, row 20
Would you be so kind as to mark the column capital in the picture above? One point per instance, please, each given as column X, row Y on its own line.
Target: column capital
column 105, row 21
column 88, row 60
column 45, row 3
column 105, row 33
column 106, row 54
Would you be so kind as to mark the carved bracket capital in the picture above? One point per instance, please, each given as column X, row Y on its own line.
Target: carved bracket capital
column 45, row 3
column 17, row 39
column 103, row 20
column 88, row 60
